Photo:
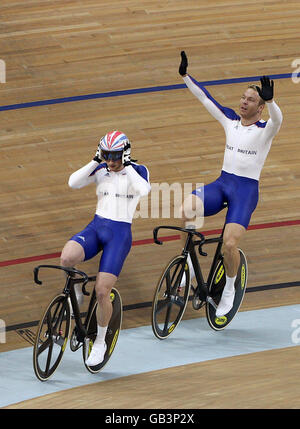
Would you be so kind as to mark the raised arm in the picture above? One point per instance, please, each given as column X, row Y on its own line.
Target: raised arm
column 219, row 112
column 211, row 105
column 266, row 92
column 275, row 120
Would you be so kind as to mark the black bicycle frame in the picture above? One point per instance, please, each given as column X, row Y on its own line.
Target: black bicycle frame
column 189, row 248
column 69, row 288
column 201, row 284
column 69, row 291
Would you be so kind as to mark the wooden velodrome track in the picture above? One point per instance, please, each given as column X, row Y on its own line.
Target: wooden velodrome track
column 57, row 48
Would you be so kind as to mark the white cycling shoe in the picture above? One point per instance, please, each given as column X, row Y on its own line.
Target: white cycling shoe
column 97, row 354
column 226, row 302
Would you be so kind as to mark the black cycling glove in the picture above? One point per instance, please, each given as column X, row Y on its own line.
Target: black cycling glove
column 97, row 156
column 266, row 91
column 183, row 64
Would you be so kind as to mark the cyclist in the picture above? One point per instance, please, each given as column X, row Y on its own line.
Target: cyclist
column 248, row 141
column 119, row 185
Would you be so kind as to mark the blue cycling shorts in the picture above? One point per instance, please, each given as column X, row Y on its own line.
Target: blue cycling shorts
column 112, row 237
column 240, row 193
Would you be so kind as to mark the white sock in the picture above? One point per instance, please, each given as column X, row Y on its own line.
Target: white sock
column 229, row 286
column 101, row 332
column 226, row 302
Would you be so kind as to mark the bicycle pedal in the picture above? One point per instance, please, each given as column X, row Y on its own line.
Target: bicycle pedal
column 75, row 345
column 212, row 302
column 197, row 303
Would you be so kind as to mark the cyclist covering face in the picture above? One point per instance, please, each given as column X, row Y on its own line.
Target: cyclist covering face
column 120, row 183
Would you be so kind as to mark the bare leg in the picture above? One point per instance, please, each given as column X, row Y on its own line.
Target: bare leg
column 104, row 284
column 72, row 254
column 232, row 236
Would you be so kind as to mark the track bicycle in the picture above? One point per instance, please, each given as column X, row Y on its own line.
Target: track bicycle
column 54, row 327
column 172, row 295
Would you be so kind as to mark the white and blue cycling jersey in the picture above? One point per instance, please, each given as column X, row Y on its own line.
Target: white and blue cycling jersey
column 246, row 149
column 118, row 195
column 118, row 192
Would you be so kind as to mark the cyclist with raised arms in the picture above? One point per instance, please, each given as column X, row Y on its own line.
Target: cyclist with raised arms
column 248, row 141
column 119, row 185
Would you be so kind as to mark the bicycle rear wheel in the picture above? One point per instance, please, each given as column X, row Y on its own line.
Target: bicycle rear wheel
column 170, row 299
column 112, row 334
column 51, row 337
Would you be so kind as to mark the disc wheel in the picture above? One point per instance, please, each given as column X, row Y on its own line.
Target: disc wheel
column 170, row 299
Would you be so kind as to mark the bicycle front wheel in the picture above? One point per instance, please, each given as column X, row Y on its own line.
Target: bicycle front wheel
column 51, row 337
column 170, row 297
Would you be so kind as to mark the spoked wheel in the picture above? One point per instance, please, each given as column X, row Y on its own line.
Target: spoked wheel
column 215, row 292
column 112, row 333
column 51, row 337
column 170, row 299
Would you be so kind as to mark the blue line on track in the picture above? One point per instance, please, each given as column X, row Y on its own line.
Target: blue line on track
column 136, row 91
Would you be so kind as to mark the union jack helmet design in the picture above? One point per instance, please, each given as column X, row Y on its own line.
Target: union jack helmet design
column 114, row 141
